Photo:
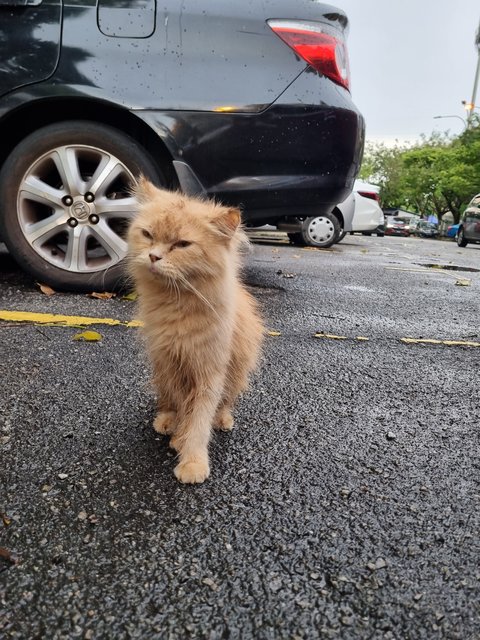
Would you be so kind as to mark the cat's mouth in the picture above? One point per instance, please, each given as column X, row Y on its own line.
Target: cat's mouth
column 161, row 270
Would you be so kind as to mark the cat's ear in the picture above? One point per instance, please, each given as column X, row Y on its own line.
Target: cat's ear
column 227, row 220
column 144, row 190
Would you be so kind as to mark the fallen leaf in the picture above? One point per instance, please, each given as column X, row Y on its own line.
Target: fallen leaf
column 44, row 288
column 6, row 519
column 88, row 336
column 274, row 333
column 7, row 555
column 133, row 295
column 102, row 296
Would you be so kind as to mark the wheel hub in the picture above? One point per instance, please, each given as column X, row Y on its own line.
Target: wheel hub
column 321, row 229
column 81, row 210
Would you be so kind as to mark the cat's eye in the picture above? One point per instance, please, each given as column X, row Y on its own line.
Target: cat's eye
column 181, row 244
column 147, row 234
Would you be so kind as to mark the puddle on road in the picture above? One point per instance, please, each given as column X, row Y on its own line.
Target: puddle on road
column 449, row 267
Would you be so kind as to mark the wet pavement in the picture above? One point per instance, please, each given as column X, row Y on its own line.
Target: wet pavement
column 343, row 505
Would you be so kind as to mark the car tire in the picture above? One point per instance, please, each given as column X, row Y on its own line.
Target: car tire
column 342, row 235
column 321, row 231
column 66, row 202
column 461, row 241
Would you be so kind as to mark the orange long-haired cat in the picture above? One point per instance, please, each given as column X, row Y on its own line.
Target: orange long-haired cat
column 202, row 328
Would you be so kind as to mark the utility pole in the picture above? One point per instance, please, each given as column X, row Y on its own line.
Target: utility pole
column 471, row 106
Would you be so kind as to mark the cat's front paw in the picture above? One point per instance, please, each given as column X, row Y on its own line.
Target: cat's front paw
column 192, row 472
column 223, row 420
column 164, row 422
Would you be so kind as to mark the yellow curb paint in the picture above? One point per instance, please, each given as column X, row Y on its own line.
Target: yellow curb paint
column 448, row 343
column 61, row 320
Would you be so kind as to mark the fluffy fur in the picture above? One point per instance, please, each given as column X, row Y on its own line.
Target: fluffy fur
column 201, row 327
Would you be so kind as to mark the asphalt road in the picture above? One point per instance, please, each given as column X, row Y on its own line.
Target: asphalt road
column 343, row 505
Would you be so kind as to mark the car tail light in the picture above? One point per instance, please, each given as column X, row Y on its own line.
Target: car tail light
column 322, row 47
column 369, row 194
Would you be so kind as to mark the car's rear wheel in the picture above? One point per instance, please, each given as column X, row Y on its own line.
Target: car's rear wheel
column 461, row 241
column 66, row 203
column 321, row 231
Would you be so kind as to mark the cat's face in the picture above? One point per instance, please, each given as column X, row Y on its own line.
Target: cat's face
column 177, row 238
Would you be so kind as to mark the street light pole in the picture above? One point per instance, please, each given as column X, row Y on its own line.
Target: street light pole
column 465, row 124
column 471, row 106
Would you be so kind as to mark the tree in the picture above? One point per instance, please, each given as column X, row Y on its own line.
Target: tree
column 436, row 175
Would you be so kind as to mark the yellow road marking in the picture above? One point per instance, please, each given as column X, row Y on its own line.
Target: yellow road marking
column 465, row 282
column 61, row 320
column 448, row 343
column 75, row 321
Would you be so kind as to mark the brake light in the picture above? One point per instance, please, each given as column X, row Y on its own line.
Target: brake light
column 369, row 194
column 321, row 47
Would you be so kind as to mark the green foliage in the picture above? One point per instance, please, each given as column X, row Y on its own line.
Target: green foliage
column 436, row 175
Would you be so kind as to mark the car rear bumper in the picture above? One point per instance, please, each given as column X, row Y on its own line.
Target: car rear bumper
column 294, row 158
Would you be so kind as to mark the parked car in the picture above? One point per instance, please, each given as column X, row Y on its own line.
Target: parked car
column 452, row 230
column 368, row 217
column 323, row 230
column 248, row 104
column 469, row 227
column 396, row 227
column 425, row 229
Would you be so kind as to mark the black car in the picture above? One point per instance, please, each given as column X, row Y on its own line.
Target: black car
column 469, row 228
column 247, row 102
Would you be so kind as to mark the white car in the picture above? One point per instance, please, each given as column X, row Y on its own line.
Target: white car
column 322, row 230
column 368, row 217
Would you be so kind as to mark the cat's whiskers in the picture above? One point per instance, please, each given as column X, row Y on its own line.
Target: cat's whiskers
column 188, row 285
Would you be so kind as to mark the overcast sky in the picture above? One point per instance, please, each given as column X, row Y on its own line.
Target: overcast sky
column 411, row 60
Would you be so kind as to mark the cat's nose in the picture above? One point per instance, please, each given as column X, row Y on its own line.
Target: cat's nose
column 154, row 257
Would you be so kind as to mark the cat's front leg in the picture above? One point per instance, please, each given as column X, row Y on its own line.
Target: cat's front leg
column 192, row 437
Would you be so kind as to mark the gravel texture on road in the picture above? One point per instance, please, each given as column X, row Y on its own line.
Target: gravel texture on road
column 344, row 504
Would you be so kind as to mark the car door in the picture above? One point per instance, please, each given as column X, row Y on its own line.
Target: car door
column 471, row 220
column 30, row 32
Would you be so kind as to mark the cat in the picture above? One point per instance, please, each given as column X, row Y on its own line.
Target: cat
column 202, row 328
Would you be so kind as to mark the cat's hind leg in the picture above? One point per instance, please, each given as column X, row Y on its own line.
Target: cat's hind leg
column 165, row 422
column 223, row 420
column 236, row 382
